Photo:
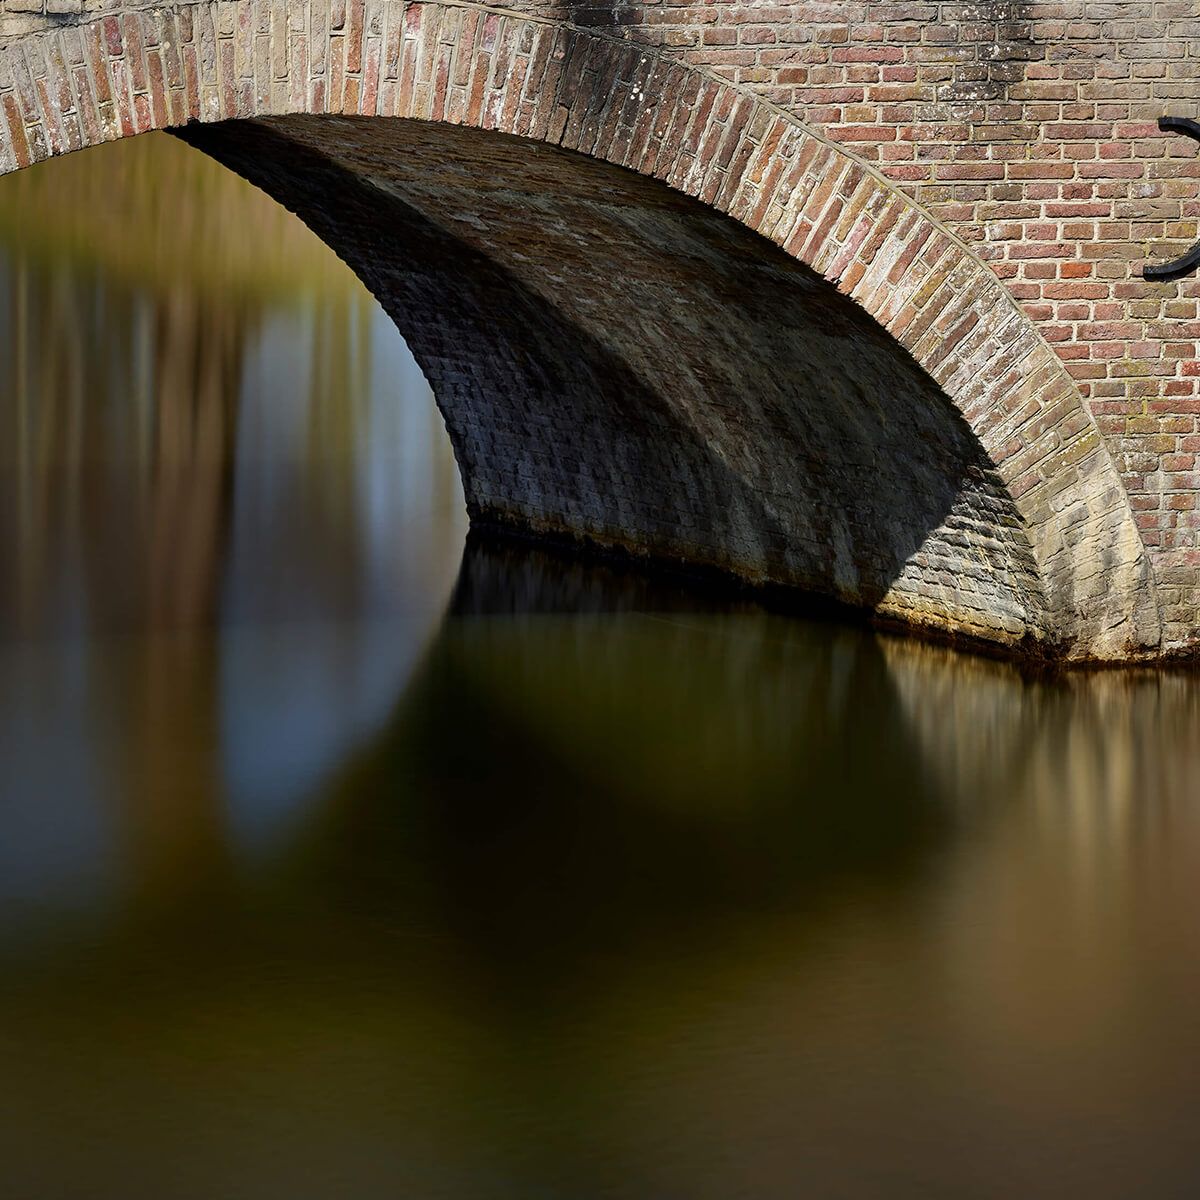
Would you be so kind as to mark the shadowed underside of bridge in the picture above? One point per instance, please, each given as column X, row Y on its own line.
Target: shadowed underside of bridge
column 658, row 315
column 619, row 364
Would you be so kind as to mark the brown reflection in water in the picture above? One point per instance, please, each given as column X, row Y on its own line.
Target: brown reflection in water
column 137, row 275
column 1072, row 955
column 198, row 357
column 165, row 322
column 663, row 899
column 174, row 785
column 126, row 409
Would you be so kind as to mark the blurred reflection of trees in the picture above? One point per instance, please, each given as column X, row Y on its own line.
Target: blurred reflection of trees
column 151, row 212
column 176, row 341
column 121, row 436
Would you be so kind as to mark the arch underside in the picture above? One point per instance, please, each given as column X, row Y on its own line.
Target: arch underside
column 620, row 365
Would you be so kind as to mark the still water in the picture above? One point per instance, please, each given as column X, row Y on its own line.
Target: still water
column 342, row 858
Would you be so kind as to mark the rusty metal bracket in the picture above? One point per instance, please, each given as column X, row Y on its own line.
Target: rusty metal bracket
column 1191, row 260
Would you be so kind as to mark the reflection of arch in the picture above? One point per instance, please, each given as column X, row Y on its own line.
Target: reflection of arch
column 1086, row 589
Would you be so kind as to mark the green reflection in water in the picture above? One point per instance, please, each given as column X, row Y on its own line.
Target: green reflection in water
column 322, row 874
column 151, row 214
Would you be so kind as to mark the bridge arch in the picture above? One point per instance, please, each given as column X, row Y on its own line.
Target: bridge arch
column 999, row 515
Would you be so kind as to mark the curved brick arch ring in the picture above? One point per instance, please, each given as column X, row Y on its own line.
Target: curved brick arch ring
column 77, row 85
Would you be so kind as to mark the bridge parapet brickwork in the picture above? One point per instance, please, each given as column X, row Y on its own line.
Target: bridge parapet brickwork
column 984, row 179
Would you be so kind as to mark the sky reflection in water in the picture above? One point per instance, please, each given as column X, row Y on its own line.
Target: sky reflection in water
column 338, row 861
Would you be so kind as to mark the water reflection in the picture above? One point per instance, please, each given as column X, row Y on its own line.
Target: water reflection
column 228, row 518
column 636, row 894
column 334, row 864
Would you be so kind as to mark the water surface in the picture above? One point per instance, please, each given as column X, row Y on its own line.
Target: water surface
column 338, row 858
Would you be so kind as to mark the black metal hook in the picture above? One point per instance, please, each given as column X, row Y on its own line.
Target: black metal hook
column 1191, row 260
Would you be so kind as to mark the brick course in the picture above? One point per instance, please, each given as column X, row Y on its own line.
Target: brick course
column 984, row 179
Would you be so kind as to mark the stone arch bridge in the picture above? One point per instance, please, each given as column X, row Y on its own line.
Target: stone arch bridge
column 843, row 296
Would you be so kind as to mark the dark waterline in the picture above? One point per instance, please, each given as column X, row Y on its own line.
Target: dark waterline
column 339, row 860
